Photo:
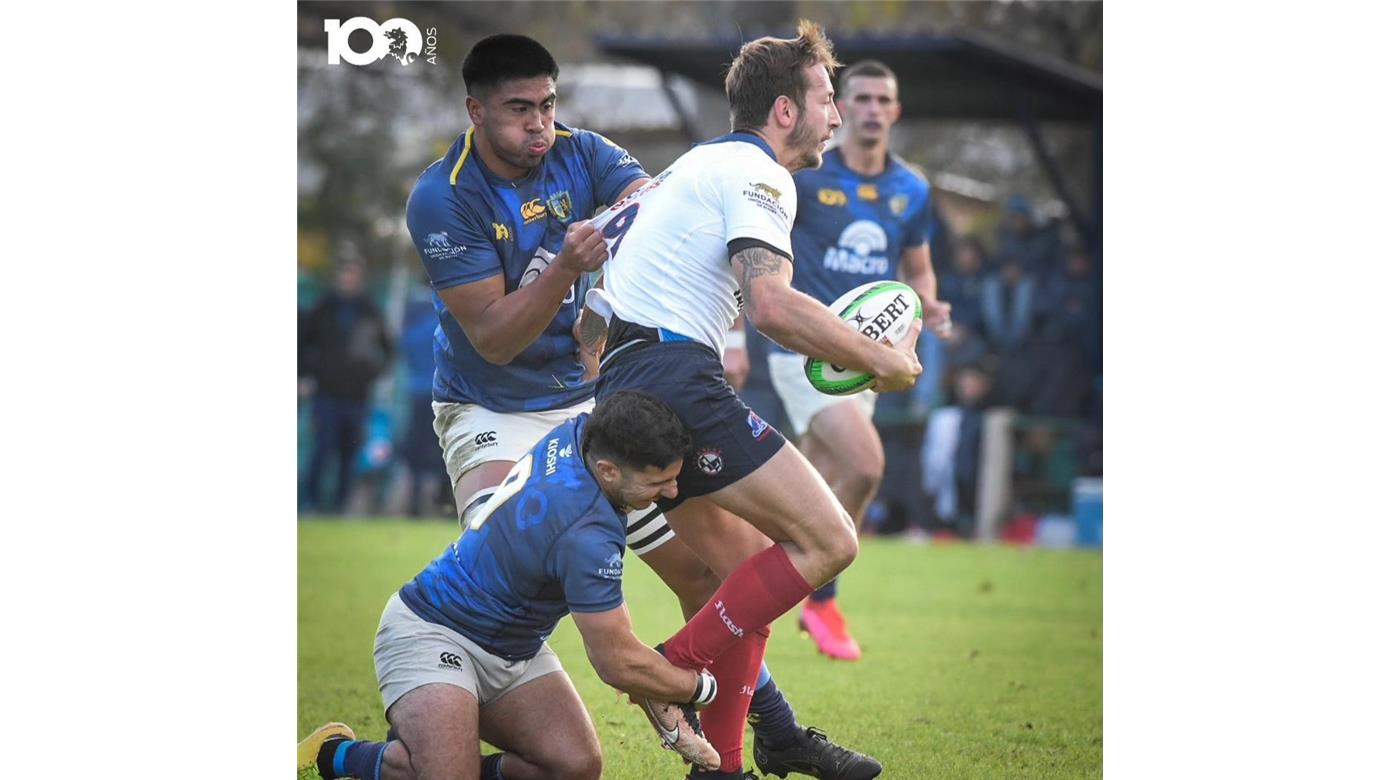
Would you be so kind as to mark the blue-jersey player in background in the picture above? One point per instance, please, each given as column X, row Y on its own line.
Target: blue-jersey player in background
column 461, row 655
column 863, row 216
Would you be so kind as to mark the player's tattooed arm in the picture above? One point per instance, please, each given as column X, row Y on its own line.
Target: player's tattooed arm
column 803, row 324
column 591, row 330
column 756, row 262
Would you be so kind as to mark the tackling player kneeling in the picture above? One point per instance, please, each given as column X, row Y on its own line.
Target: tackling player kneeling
column 460, row 654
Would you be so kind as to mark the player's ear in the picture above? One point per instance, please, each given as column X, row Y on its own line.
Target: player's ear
column 898, row 112
column 784, row 112
column 608, row 471
column 475, row 110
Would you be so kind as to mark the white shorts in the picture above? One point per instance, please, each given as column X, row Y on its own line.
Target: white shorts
column 410, row 652
column 800, row 399
column 471, row 435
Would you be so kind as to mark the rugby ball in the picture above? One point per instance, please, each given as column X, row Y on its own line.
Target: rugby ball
column 881, row 311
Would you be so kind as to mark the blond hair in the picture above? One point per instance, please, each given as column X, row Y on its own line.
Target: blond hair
column 769, row 67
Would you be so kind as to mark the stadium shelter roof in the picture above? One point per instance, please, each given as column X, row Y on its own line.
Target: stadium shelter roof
column 965, row 75
column 962, row 75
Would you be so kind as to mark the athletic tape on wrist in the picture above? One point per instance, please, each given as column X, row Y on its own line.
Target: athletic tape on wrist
column 735, row 339
column 705, row 689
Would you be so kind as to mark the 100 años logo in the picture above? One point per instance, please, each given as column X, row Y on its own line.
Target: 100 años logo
column 397, row 38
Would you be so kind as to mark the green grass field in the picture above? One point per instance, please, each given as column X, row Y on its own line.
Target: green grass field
column 980, row 661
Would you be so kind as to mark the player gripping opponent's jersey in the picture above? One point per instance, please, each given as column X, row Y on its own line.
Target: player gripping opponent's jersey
column 470, row 224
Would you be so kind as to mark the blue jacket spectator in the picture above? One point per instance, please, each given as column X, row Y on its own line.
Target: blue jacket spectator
column 1035, row 248
column 962, row 284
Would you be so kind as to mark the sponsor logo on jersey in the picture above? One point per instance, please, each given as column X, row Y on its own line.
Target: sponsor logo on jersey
column 551, row 457
column 532, row 210
column 868, row 192
column 859, row 250
column 560, row 205
column 487, row 439
column 766, row 196
column 612, row 567
column 567, row 452
column 898, row 204
column 831, row 197
column 502, row 232
column 757, row 425
column 709, row 461
column 437, row 246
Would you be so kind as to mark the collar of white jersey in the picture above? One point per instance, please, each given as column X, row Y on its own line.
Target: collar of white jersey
column 744, row 137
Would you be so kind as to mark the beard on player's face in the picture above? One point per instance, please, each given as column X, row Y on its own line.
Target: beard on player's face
column 807, row 142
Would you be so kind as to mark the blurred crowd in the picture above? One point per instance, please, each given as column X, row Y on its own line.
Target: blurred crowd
column 1026, row 337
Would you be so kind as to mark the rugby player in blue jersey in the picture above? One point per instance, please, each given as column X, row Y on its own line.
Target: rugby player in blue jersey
column 864, row 215
column 461, row 655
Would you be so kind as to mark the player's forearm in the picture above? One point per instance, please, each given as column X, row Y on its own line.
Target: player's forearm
column 513, row 322
column 920, row 276
column 802, row 324
column 643, row 672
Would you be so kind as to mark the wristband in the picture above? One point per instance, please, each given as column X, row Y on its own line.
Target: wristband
column 705, row 689
column 735, row 339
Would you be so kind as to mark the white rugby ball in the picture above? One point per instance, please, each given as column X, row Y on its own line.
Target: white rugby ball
column 881, row 311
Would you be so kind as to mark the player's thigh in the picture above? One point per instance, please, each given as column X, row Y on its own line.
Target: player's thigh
column 721, row 539
column 562, row 742
column 845, row 434
column 479, row 445
column 439, row 726
column 477, row 485
column 787, row 499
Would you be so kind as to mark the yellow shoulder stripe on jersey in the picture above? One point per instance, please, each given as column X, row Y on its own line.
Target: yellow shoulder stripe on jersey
column 466, row 149
column 563, row 133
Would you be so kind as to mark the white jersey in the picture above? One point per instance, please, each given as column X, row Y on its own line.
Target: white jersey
column 670, row 240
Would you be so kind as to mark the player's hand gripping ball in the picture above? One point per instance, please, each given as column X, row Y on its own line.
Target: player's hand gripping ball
column 881, row 311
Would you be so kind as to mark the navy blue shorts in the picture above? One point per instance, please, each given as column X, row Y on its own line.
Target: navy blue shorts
column 728, row 440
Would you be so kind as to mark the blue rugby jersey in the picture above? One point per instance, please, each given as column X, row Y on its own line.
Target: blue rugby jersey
column 552, row 545
column 469, row 224
column 852, row 229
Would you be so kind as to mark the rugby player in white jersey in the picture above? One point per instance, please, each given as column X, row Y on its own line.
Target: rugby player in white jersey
column 704, row 239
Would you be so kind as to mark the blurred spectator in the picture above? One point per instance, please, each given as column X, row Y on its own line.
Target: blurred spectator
column 964, row 347
column 428, row 487
column 952, row 450
column 342, row 346
column 1071, row 307
column 1009, row 306
column 961, row 285
column 1035, row 248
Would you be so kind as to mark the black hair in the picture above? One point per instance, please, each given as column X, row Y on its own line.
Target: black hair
column 499, row 58
column 635, row 430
